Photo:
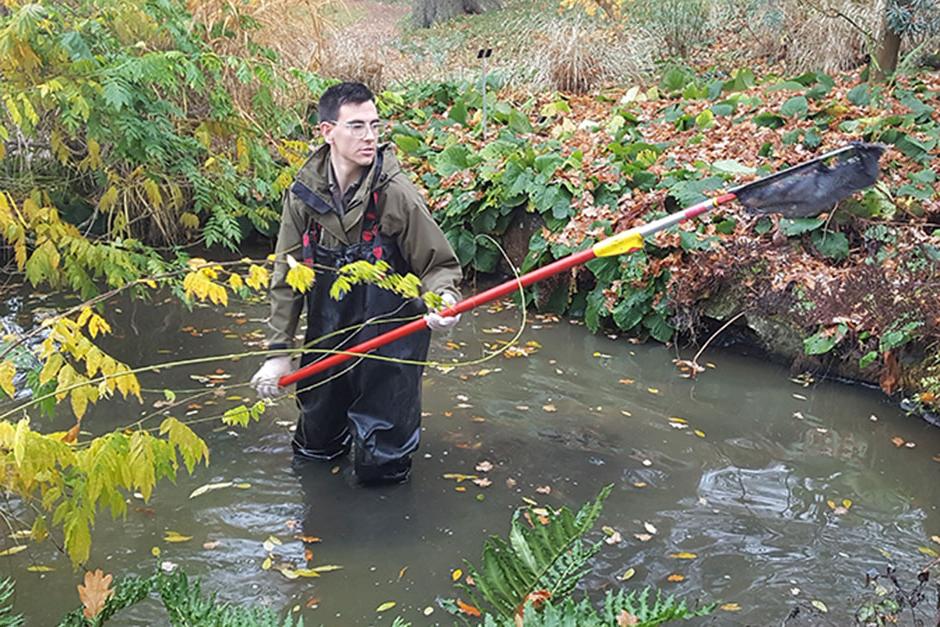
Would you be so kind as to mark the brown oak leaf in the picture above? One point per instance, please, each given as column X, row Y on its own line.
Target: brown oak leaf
column 95, row 593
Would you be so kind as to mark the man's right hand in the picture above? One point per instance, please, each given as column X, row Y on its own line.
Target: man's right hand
column 265, row 380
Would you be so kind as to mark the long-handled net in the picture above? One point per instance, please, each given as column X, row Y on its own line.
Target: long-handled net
column 804, row 190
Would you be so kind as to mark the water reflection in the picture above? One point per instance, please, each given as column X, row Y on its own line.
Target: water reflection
column 743, row 481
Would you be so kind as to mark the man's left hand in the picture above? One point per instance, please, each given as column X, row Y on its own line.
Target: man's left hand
column 437, row 322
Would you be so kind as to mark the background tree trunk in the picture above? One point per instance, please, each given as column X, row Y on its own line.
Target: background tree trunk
column 888, row 50
column 428, row 12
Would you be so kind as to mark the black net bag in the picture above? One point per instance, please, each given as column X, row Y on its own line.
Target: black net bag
column 807, row 191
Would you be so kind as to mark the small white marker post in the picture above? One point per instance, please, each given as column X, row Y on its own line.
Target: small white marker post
column 483, row 54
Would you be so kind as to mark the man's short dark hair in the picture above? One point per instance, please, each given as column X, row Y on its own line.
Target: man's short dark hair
column 338, row 95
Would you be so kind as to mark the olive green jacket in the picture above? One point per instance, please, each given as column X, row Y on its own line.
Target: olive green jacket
column 403, row 216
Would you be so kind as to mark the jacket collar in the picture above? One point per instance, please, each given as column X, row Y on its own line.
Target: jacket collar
column 315, row 175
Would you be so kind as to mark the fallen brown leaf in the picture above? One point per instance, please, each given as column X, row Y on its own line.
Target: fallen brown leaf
column 626, row 619
column 468, row 609
column 95, row 593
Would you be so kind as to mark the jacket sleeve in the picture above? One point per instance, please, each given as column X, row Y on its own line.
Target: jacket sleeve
column 421, row 241
column 286, row 303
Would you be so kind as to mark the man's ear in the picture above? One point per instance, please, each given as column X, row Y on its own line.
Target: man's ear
column 326, row 129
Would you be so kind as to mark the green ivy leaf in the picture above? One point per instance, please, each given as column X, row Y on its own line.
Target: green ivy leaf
column 732, row 167
column 860, row 95
column 824, row 340
column 832, row 245
column 797, row 106
column 798, row 226
column 452, row 160
column 408, row 145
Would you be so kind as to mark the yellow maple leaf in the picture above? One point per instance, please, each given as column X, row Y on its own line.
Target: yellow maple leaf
column 300, row 277
column 97, row 325
column 7, row 372
column 257, row 277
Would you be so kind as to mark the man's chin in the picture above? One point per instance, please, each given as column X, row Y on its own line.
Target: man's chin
column 365, row 159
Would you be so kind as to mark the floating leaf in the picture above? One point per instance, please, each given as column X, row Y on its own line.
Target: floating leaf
column 456, row 575
column 39, row 568
column 649, row 527
column 935, row 539
column 643, row 537
column 929, row 552
column 730, row 607
column 13, row 550
column 484, row 466
column 684, row 556
column 387, row 606
column 327, row 568
column 628, row 574
column 209, row 487
column 307, row 572
column 675, row 578
column 819, row 605
column 468, row 609
column 266, row 564
column 458, row 477
column 173, row 536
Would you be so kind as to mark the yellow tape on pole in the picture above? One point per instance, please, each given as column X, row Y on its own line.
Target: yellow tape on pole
column 619, row 244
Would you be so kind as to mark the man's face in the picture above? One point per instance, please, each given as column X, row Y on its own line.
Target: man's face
column 352, row 137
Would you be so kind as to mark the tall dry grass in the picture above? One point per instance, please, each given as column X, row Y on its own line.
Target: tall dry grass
column 582, row 54
column 824, row 35
column 296, row 29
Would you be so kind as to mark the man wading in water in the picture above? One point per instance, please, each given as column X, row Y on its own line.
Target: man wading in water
column 351, row 201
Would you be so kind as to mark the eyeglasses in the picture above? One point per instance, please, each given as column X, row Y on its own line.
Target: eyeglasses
column 359, row 130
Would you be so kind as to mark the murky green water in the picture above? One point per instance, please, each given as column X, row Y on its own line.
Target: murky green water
column 743, row 484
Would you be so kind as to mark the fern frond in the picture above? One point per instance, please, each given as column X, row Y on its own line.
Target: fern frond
column 7, row 618
column 544, row 552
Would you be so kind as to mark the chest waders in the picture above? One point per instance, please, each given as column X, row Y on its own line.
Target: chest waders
column 375, row 406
